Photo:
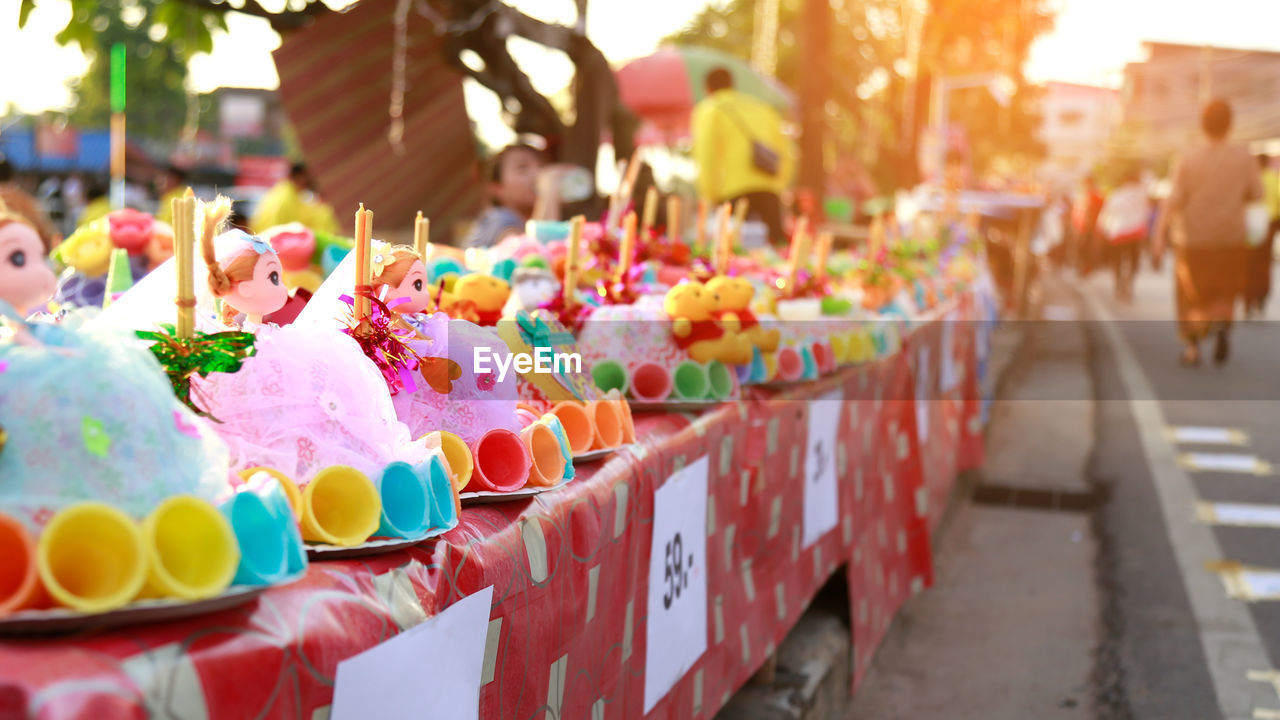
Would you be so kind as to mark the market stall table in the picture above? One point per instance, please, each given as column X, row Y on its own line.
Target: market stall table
column 569, row 625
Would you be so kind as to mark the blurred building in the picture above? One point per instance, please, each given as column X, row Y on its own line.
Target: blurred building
column 1163, row 95
column 1076, row 125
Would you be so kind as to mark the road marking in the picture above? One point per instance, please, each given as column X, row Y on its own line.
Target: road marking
column 1228, row 635
column 1201, row 435
column 1238, row 514
column 1272, row 678
column 1247, row 583
column 1225, row 462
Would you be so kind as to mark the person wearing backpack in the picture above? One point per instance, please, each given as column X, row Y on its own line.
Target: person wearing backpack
column 741, row 152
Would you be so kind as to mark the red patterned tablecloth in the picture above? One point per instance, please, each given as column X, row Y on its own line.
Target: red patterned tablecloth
column 570, row 570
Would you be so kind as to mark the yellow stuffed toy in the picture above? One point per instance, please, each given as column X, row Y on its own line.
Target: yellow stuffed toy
column 478, row 298
column 731, row 299
column 696, row 330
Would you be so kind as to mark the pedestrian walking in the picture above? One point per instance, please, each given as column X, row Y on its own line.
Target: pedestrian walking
column 741, row 152
column 1205, row 220
column 1088, row 249
column 1259, row 284
column 1123, row 223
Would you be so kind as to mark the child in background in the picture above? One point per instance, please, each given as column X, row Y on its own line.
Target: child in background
column 512, row 183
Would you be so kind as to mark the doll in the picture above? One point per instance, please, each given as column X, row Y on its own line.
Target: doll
column 87, row 414
column 308, row 398
column 447, row 392
column 26, row 280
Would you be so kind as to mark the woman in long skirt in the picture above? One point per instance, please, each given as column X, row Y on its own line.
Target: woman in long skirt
column 1205, row 218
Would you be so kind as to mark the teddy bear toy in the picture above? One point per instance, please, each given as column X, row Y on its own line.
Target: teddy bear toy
column 697, row 332
column 731, row 298
column 478, row 298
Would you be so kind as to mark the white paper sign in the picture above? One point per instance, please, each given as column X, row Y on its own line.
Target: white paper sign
column 922, row 394
column 676, row 632
column 1223, row 462
column 430, row 670
column 821, row 488
column 1197, row 435
column 1246, row 514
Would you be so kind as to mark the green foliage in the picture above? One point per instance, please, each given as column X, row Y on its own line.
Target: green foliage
column 160, row 36
column 871, row 72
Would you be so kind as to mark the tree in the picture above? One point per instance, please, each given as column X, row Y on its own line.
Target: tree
column 481, row 26
column 877, row 102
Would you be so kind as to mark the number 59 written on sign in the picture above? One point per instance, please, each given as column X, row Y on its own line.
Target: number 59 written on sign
column 677, row 570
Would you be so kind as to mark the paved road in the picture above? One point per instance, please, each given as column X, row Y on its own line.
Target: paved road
column 1175, row 644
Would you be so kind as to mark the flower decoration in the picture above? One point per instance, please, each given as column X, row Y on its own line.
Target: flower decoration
column 485, row 382
column 200, row 355
column 381, row 257
column 331, row 405
column 260, row 246
column 385, row 340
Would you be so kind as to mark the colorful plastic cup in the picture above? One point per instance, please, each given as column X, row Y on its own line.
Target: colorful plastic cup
column 720, row 381
column 456, row 454
column 547, row 461
column 610, row 375
column 628, row 421
column 790, row 364
column 405, row 501
column 810, row 371
column 443, row 506
column 91, row 558
column 19, row 581
column 340, row 507
column 608, row 423
column 578, row 425
column 501, row 461
column 287, row 486
column 650, row 382
column 268, row 536
column 553, row 422
column 192, row 552
column 690, row 381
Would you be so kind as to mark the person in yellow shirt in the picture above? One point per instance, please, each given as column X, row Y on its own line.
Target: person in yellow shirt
column 293, row 200
column 172, row 185
column 741, row 152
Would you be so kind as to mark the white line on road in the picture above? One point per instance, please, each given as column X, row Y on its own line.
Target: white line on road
column 1199, row 435
column 1228, row 635
column 1238, row 514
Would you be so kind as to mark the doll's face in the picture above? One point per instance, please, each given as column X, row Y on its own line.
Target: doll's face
column 26, row 280
column 262, row 294
column 414, row 287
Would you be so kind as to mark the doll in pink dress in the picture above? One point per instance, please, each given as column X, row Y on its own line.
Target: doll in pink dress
column 308, row 398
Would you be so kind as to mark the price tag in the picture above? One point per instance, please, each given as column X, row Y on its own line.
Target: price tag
column 389, row 681
column 922, row 394
column 676, row 632
column 821, row 492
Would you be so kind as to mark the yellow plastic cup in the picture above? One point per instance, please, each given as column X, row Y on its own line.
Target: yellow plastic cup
column 340, row 506
column 770, row 366
column 291, row 491
column 192, row 552
column 456, row 455
column 91, row 558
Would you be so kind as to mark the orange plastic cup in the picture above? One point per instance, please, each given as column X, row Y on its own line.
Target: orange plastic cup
column 608, row 423
column 547, row 467
column 578, row 425
column 19, row 582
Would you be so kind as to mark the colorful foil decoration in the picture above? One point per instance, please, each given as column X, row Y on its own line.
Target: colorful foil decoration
column 200, row 355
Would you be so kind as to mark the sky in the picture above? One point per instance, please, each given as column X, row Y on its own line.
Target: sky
column 1090, row 44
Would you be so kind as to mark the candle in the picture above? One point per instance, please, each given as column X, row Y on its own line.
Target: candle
column 876, row 239
column 799, row 246
column 825, row 241
column 627, row 249
column 364, row 270
column 571, row 260
column 739, row 217
column 724, row 240
column 673, row 217
column 650, row 212
column 184, row 243
column 701, row 229
column 421, row 235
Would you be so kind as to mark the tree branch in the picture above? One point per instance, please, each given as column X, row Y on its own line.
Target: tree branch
column 281, row 22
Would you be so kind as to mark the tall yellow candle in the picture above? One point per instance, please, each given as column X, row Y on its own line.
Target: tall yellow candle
column 571, row 260
column 184, row 243
column 876, row 238
column 650, row 211
column 701, row 229
column 421, row 235
column 799, row 247
column 673, row 218
column 724, row 240
column 364, row 270
column 739, row 217
column 825, row 241
column 627, row 248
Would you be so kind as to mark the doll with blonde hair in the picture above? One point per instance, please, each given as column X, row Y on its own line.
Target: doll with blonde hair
column 244, row 271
